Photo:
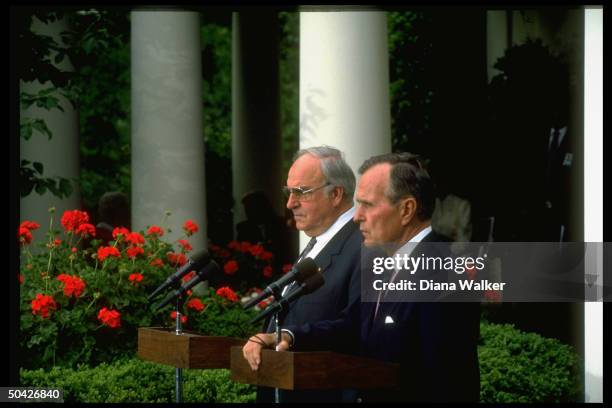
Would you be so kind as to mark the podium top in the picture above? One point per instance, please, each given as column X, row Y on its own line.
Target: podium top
column 186, row 350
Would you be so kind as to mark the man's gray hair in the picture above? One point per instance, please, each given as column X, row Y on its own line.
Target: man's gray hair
column 335, row 169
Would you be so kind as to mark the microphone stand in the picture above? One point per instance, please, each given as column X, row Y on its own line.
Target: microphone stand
column 277, row 330
column 178, row 372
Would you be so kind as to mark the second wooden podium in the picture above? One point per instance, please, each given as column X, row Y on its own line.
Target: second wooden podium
column 314, row 370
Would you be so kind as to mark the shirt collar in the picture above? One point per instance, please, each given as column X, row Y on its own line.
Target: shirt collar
column 325, row 237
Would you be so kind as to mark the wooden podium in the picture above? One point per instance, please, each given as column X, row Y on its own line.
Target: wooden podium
column 314, row 370
column 187, row 350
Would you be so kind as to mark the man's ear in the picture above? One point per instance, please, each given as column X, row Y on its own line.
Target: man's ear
column 408, row 207
column 337, row 196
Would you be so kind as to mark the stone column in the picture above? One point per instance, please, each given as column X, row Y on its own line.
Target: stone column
column 60, row 155
column 497, row 39
column 593, row 198
column 167, row 141
column 256, row 142
column 344, row 84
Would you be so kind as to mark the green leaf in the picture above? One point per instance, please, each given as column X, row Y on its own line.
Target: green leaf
column 38, row 166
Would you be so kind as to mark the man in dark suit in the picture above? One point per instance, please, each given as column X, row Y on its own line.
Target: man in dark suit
column 320, row 188
column 435, row 343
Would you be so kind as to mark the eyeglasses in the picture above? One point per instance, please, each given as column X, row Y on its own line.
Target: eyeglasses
column 302, row 193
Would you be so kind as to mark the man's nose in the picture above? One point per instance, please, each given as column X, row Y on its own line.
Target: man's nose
column 292, row 202
column 357, row 217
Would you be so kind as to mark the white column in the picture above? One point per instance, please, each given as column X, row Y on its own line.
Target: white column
column 256, row 144
column 593, row 198
column 60, row 155
column 497, row 39
column 167, row 140
column 344, row 84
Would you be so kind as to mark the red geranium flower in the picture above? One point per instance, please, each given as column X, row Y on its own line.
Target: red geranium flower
column 30, row 225
column 21, row 279
column 189, row 276
column 109, row 317
column 73, row 285
column 25, row 236
column 133, row 252
column 158, row 263
column 121, row 231
column 185, row 244
column 267, row 271
column 71, row 220
column 173, row 316
column 266, row 256
column 233, row 245
column 227, row 293
column 195, row 304
column 134, row 238
column 177, row 259
column 256, row 250
column 86, row 230
column 230, row 267
column 135, row 278
column 42, row 305
column 190, row 227
column 155, row 230
column 105, row 252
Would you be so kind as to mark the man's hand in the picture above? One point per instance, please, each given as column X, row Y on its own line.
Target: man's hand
column 252, row 349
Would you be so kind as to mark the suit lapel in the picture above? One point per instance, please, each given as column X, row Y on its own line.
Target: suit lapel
column 334, row 246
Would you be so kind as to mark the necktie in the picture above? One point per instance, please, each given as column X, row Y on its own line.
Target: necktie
column 308, row 248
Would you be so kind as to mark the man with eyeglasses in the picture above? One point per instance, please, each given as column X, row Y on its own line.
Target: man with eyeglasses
column 435, row 343
column 319, row 191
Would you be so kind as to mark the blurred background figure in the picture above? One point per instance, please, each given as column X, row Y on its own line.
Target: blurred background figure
column 264, row 226
column 113, row 211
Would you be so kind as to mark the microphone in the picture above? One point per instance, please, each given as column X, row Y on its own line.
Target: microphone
column 201, row 275
column 195, row 262
column 302, row 270
column 311, row 284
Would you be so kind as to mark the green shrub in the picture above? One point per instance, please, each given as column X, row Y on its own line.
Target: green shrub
column 525, row 367
column 134, row 380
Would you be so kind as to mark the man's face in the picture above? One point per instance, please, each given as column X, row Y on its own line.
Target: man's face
column 315, row 212
column 379, row 220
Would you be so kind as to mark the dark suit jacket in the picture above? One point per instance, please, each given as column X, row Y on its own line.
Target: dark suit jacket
column 435, row 344
column 340, row 265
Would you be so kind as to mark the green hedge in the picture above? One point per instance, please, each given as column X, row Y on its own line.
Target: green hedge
column 134, row 380
column 514, row 367
column 525, row 367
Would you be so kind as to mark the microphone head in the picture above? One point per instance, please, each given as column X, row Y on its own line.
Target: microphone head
column 313, row 283
column 305, row 269
column 199, row 258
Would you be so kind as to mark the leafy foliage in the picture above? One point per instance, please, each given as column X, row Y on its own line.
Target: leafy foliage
column 525, row 367
column 134, row 380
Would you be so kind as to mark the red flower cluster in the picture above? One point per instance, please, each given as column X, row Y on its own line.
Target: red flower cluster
column 134, row 238
column 190, row 227
column 135, row 278
column 109, row 317
column 185, row 244
column 105, row 252
column 173, row 317
column 42, row 304
column 158, row 263
column 120, row 231
column 86, row 230
column 177, row 259
column 195, row 304
column 188, row 277
column 267, row 271
column 25, row 231
column 471, row 272
column 227, row 293
column 230, row 267
column 155, row 230
column 72, row 220
column 73, row 285
column 134, row 251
